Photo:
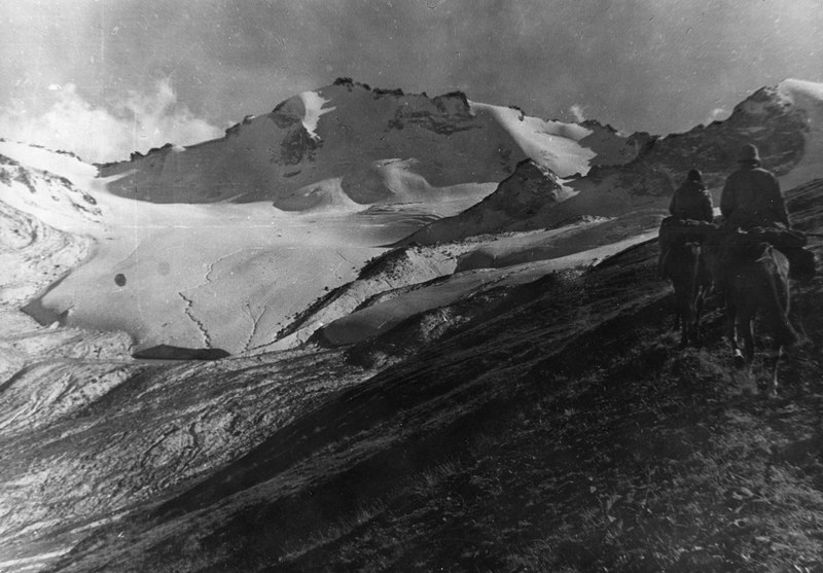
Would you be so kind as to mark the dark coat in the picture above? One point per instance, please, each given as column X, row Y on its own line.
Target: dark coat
column 752, row 198
column 692, row 201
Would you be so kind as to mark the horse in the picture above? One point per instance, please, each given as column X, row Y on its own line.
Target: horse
column 687, row 271
column 756, row 282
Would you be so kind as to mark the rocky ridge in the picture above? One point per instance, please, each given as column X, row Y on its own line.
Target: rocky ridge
column 767, row 118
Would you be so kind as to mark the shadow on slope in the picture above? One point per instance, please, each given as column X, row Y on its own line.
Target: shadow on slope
column 364, row 442
column 168, row 352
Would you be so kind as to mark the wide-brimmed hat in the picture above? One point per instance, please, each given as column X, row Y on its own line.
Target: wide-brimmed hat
column 749, row 154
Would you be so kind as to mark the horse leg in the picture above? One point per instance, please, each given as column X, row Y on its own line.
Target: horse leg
column 676, row 325
column 731, row 326
column 748, row 346
column 676, row 321
column 772, row 363
column 692, row 295
column 681, row 315
column 698, row 313
column 748, row 339
column 685, row 321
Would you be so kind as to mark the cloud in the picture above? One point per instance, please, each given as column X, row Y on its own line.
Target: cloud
column 652, row 65
column 138, row 122
column 577, row 111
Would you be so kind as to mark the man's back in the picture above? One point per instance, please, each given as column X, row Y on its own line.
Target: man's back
column 691, row 201
column 751, row 198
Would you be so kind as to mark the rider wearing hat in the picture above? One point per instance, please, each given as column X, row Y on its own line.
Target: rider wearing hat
column 752, row 201
column 692, row 200
column 752, row 196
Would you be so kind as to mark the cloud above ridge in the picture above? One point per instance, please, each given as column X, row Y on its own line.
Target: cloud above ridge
column 577, row 112
column 651, row 65
column 136, row 122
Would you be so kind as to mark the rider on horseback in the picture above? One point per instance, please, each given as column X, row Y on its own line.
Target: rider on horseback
column 690, row 202
column 752, row 202
column 752, row 197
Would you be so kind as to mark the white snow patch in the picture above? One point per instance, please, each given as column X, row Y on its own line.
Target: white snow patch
column 62, row 164
column 313, row 102
column 550, row 143
column 808, row 96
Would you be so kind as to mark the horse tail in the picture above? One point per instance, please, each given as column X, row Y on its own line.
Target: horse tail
column 784, row 332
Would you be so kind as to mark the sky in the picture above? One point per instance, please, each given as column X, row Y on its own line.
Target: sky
column 103, row 78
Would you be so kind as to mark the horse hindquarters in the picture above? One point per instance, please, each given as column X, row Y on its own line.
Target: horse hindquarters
column 784, row 333
column 761, row 287
column 683, row 264
column 776, row 305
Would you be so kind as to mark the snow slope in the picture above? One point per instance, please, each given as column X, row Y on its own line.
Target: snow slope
column 807, row 96
column 36, row 209
column 222, row 275
column 192, row 275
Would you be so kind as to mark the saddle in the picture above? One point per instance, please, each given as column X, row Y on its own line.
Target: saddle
column 737, row 246
column 676, row 232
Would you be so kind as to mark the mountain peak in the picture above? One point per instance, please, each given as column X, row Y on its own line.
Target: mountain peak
column 348, row 145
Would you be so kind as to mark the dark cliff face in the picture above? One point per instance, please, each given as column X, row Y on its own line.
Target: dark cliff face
column 528, row 191
column 525, row 192
column 444, row 115
column 296, row 147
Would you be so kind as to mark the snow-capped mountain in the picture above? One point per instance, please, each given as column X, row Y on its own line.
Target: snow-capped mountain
column 346, row 146
column 192, row 280
column 370, row 166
